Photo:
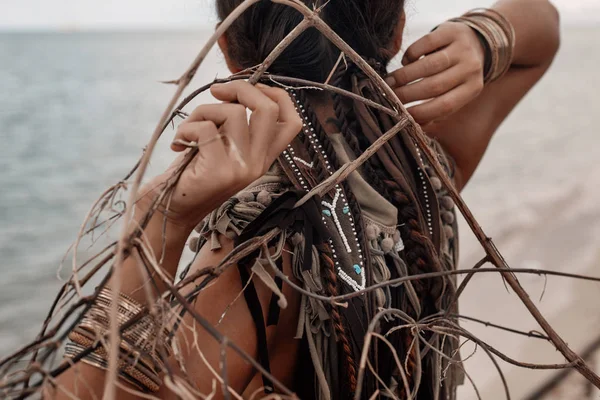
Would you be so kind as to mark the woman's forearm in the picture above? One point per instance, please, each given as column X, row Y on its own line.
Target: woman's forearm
column 537, row 32
column 168, row 248
column 134, row 280
column 464, row 119
column 232, row 153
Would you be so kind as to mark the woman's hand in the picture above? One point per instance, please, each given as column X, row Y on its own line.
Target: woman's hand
column 445, row 68
column 233, row 150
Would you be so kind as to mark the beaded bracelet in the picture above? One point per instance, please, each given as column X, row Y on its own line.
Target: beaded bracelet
column 142, row 334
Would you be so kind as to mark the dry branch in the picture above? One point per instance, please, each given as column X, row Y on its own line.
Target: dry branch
column 419, row 137
column 71, row 302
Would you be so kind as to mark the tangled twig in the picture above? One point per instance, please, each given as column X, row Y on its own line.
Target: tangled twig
column 71, row 303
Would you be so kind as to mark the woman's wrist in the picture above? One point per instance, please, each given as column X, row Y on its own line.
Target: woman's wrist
column 162, row 239
column 486, row 52
column 165, row 210
column 159, row 219
column 496, row 35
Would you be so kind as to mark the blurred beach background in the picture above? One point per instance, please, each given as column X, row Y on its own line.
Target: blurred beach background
column 80, row 95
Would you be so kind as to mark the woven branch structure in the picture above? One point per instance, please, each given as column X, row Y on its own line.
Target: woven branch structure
column 25, row 372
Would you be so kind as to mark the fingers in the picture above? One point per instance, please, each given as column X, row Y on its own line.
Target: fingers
column 197, row 132
column 231, row 119
column 445, row 105
column 289, row 124
column 211, row 145
column 265, row 111
column 244, row 93
column 427, row 44
column 432, row 86
column 218, row 113
column 273, row 124
column 215, row 155
column 287, row 109
column 444, row 66
column 427, row 66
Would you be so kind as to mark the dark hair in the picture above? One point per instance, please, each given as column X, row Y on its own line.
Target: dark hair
column 366, row 25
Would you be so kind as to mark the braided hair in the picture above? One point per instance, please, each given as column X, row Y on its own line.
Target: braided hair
column 419, row 253
column 368, row 26
column 329, row 274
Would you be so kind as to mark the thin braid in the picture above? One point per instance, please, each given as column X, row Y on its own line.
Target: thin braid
column 331, row 288
column 349, row 127
column 419, row 251
column 333, row 161
column 330, row 275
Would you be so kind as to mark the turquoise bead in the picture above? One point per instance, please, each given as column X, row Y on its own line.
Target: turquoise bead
column 357, row 269
column 346, row 210
column 327, row 212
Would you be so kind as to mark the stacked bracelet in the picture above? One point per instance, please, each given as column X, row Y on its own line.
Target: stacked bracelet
column 136, row 375
column 497, row 35
column 139, row 362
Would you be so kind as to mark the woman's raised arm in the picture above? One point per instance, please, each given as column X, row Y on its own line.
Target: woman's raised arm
column 233, row 152
column 446, row 69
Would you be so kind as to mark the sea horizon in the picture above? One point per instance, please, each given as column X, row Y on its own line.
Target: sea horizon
column 77, row 108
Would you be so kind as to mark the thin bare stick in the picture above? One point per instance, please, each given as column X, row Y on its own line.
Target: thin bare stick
column 346, row 169
column 466, row 281
column 337, row 63
column 70, row 301
column 417, row 277
column 452, row 328
column 282, row 81
column 284, row 44
column 111, row 376
column 225, row 381
column 74, row 278
column 397, row 360
column 530, row 334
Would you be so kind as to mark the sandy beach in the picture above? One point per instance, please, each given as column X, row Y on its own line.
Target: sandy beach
column 545, row 216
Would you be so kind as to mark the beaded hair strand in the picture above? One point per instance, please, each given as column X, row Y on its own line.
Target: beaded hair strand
column 329, row 273
column 419, row 251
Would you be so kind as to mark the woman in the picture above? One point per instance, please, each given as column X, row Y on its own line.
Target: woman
column 390, row 219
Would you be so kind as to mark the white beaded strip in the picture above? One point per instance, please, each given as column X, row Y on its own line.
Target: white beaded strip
column 288, row 157
column 332, row 206
column 301, row 161
column 309, row 131
column 351, row 282
column 344, row 276
column 399, row 246
column 427, row 205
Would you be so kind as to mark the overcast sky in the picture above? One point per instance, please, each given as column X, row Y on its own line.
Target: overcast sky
column 99, row 14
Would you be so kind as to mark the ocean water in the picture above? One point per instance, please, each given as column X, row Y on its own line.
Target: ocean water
column 76, row 110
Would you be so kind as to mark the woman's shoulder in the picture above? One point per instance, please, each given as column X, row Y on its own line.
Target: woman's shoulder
column 233, row 216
